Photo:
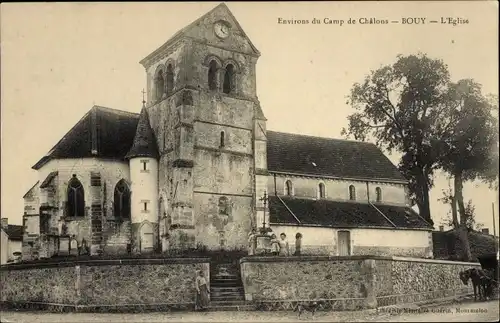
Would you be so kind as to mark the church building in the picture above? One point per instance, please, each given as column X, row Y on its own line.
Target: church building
column 197, row 167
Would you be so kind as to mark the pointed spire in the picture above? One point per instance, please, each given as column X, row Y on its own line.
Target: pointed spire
column 144, row 144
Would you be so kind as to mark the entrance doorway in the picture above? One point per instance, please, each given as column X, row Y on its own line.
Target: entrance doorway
column 344, row 243
column 147, row 241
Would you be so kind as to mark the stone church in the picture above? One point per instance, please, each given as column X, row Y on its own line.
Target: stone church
column 197, row 167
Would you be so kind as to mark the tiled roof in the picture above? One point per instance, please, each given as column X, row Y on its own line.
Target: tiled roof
column 302, row 154
column 15, row 232
column 144, row 144
column 110, row 132
column 341, row 214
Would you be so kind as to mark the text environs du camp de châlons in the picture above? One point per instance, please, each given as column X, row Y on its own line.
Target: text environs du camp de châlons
column 332, row 21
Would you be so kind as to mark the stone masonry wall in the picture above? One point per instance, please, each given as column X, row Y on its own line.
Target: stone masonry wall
column 306, row 278
column 113, row 282
column 406, row 280
column 351, row 282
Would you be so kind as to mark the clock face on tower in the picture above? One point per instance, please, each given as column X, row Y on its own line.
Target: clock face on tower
column 221, row 29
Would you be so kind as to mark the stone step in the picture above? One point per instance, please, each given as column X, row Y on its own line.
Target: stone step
column 227, row 295
column 228, row 283
column 232, row 308
column 234, row 290
column 227, row 303
column 231, row 277
column 227, row 299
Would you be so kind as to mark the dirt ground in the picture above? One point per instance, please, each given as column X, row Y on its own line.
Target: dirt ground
column 462, row 312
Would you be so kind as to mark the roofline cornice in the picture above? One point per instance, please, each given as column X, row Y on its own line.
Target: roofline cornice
column 350, row 226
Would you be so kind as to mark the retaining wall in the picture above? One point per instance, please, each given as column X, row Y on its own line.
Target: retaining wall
column 104, row 283
column 349, row 283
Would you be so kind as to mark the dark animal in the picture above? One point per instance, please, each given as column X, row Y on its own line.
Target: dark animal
column 481, row 282
column 311, row 307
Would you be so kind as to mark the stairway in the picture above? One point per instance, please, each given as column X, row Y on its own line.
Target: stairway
column 226, row 288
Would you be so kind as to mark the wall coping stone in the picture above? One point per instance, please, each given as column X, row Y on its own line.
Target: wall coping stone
column 436, row 261
column 266, row 259
column 96, row 262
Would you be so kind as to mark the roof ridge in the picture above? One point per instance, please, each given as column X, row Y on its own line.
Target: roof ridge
column 321, row 137
column 100, row 107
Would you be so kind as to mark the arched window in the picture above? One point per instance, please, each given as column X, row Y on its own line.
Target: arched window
column 121, row 206
column 352, row 193
column 76, row 198
column 159, row 85
column 170, row 79
column 378, row 193
column 222, row 139
column 228, row 85
column 212, row 75
column 321, row 190
column 288, row 188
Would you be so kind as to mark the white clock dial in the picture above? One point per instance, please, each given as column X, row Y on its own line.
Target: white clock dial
column 221, row 30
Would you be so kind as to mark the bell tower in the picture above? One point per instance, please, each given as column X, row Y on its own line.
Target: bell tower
column 210, row 130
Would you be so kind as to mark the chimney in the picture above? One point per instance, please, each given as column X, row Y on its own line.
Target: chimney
column 441, row 228
column 485, row 231
column 5, row 222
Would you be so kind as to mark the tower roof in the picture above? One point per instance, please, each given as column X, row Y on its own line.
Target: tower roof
column 144, row 144
column 193, row 31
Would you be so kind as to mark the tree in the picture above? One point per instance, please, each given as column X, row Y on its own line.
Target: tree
column 469, row 146
column 452, row 220
column 398, row 105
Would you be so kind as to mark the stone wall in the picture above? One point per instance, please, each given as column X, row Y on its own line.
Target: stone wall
column 115, row 235
column 350, row 282
column 108, row 282
column 338, row 189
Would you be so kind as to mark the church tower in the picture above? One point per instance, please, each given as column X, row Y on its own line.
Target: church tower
column 210, row 129
column 143, row 165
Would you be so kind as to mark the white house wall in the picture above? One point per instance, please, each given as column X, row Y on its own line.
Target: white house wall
column 380, row 242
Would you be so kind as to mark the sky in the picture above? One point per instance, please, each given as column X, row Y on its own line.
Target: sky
column 59, row 59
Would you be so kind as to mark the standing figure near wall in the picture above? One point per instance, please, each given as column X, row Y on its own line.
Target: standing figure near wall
column 201, row 292
column 283, row 243
column 275, row 245
column 298, row 243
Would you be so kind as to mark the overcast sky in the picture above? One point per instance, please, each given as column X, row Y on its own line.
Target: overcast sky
column 57, row 60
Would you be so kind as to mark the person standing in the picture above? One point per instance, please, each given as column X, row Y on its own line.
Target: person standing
column 275, row 245
column 298, row 243
column 201, row 292
column 283, row 243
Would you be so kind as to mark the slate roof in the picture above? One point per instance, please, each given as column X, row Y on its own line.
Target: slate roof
column 295, row 153
column 110, row 131
column 144, row 144
column 15, row 232
column 341, row 214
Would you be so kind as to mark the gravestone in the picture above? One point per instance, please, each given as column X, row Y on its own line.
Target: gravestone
column 64, row 245
column 73, row 251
